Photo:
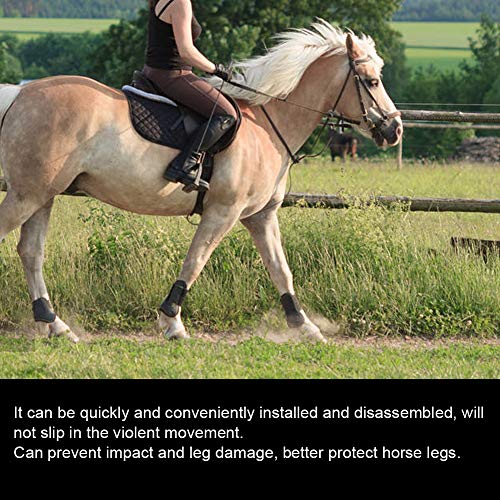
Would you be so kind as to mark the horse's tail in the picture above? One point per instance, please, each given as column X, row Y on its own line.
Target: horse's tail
column 8, row 94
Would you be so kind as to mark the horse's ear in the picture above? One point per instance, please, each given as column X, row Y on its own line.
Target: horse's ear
column 353, row 49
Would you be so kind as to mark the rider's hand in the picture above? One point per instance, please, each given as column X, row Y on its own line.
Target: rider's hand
column 222, row 72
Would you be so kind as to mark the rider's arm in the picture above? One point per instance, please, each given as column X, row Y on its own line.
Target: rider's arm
column 180, row 14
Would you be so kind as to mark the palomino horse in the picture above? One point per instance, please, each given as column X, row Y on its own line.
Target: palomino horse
column 64, row 131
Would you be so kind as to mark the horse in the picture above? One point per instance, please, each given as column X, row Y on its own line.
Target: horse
column 342, row 144
column 73, row 131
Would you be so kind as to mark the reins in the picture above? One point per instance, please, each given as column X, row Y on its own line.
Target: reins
column 294, row 158
column 330, row 114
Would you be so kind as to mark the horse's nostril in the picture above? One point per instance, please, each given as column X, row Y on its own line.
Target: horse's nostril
column 399, row 131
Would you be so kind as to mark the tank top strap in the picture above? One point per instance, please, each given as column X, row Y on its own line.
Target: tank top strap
column 164, row 8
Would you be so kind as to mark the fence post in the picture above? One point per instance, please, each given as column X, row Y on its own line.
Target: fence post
column 400, row 154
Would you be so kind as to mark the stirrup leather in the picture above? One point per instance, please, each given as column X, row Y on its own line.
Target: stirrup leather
column 195, row 185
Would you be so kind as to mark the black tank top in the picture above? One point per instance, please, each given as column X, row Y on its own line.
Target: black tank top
column 162, row 51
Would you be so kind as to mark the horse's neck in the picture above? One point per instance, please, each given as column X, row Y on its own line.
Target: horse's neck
column 319, row 83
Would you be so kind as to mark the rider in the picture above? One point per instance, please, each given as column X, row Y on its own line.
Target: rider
column 170, row 56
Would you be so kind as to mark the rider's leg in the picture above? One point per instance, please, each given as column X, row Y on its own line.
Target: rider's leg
column 187, row 89
column 184, row 167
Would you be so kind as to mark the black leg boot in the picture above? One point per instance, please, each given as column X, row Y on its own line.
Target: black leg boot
column 184, row 168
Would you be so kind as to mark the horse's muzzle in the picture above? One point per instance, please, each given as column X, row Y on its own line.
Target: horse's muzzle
column 388, row 133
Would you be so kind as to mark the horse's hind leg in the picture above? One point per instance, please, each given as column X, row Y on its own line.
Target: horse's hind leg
column 265, row 231
column 217, row 220
column 31, row 250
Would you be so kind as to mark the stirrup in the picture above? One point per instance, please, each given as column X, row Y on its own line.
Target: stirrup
column 198, row 184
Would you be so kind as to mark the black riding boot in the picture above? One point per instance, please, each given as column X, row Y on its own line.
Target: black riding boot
column 184, row 168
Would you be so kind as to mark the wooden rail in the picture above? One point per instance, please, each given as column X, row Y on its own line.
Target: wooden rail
column 414, row 204
column 463, row 126
column 308, row 200
column 450, row 116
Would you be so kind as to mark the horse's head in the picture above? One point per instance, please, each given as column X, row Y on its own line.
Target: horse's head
column 363, row 98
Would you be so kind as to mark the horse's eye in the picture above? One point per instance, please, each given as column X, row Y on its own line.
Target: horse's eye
column 373, row 82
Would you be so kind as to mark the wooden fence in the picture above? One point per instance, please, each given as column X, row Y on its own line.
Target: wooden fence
column 307, row 200
column 458, row 119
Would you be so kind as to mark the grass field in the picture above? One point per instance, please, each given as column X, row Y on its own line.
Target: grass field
column 453, row 35
column 444, row 59
column 27, row 28
column 367, row 177
column 253, row 358
column 442, row 44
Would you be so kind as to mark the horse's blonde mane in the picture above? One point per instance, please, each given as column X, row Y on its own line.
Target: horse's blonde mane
column 278, row 72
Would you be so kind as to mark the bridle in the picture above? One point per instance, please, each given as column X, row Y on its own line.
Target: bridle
column 359, row 83
column 373, row 126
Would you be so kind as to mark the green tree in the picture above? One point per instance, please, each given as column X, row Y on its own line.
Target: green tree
column 121, row 51
column 10, row 66
column 493, row 95
column 71, row 8
column 479, row 77
column 244, row 28
column 432, row 85
column 56, row 54
column 24, row 8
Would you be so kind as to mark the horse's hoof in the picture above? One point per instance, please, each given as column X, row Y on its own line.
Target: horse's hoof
column 172, row 328
column 59, row 328
column 312, row 333
column 176, row 334
column 72, row 337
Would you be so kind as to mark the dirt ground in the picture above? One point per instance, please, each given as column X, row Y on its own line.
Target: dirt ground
column 279, row 337
column 268, row 330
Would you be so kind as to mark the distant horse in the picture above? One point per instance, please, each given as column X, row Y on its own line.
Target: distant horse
column 73, row 131
column 342, row 144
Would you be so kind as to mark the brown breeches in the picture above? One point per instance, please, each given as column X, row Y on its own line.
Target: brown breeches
column 184, row 87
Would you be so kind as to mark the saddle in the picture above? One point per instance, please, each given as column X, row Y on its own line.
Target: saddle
column 161, row 120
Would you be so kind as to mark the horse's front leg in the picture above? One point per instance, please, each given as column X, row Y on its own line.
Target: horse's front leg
column 216, row 222
column 265, row 231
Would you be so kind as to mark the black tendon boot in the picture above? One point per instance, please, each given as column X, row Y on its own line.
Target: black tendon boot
column 184, row 168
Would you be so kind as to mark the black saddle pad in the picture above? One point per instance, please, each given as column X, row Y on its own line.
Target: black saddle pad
column 157, row 122
column 163, row 123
